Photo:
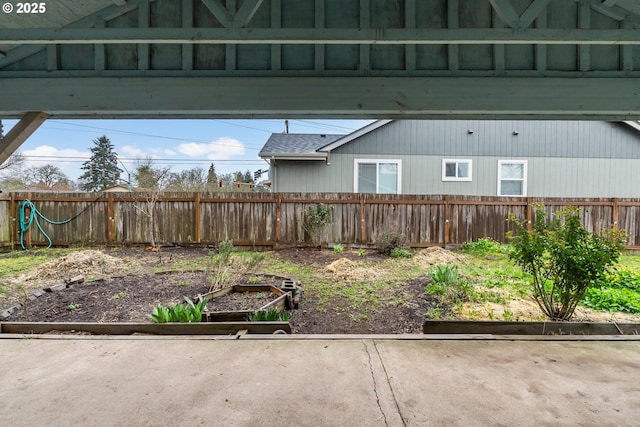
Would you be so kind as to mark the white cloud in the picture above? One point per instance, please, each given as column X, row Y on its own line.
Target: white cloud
column 221, row 149
column 134, row 152
column 69, row 160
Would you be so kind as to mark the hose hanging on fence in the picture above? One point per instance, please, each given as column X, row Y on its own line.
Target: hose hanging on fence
column 25, row 224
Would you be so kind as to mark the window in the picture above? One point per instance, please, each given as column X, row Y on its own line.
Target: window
column 377, row 176
column 456, row 169
column 512, row 177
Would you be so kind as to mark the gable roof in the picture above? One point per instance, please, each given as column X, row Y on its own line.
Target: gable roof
column 297, row 146
column 302, row 146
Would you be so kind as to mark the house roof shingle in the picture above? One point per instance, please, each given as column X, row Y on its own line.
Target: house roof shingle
column 292, row 144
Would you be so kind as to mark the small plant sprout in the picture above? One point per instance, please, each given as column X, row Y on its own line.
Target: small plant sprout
column 400, row 253
column 73, row 306
column 362, row 252
column 338, row 249
column 179, row 313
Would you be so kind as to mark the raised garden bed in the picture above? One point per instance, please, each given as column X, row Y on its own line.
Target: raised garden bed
column 236, row 303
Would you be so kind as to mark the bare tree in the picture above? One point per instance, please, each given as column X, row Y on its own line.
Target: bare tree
column 14, row 161
column 153, row 180
column 48, row 177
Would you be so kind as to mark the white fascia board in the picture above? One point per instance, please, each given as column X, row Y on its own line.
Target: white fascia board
column 354, row 135
column 633, row 124
column 293, row 156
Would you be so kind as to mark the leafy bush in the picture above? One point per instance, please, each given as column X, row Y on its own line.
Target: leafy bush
column 338, row 249
column 563, row 258
column 316, row 220
column 270, row 315
column 388, row 240
column 400, row 253
column 181, row 313
column 448, row 285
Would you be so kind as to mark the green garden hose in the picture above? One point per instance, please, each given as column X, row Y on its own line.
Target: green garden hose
column 25, row 224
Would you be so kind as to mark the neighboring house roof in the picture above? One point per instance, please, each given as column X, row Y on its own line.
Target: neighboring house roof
column 297, row 146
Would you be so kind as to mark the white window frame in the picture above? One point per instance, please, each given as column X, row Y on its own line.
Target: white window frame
column 357, row 162
column 524, row 177
column 456, row 178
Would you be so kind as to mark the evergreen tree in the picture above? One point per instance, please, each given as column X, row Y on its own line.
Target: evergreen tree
column 101, row 170
column 212, row 177
column 247, row 177
column 1, row 131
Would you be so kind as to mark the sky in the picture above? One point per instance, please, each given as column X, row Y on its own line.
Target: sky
column 179, row 144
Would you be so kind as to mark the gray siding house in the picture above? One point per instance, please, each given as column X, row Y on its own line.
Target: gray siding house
column 463, row 157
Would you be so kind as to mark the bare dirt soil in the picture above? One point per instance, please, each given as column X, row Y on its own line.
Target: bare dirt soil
column 122, row 286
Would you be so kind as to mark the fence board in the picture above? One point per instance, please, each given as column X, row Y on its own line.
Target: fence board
column 252, row 218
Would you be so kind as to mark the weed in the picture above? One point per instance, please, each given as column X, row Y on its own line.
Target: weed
column 400, row 253
column 507, row 315
column 73, row 306
column 434, row 313
column 270, row 315
column 362, row 252
column 448, row 285
column 484, row 246
column 117, row 296
column 254, row 280
column 338, row 249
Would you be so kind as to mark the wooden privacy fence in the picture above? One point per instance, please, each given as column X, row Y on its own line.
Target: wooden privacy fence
column 276, row 219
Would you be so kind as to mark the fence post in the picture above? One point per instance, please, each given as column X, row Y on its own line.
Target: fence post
column 197, row 218
column 363, row 227
column 614, row 213
column 12, row 219
column 529, row 213
column 278, row 222
column 447, row 225
column 28, row 213
column 111, row 225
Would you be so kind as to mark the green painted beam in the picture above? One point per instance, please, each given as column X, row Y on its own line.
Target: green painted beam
column 388, row 36
column 357, row 97
column 28, row 124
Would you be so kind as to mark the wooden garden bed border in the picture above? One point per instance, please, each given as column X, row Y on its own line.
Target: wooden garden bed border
column 205, row 328
column 529, row 328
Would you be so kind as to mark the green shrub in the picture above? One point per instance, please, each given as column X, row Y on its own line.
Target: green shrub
column 316, row 220
column 386, row 241
column 338, row 249
column 181, row 313
column 400, row 253
column 563, row 258
column 270, row 315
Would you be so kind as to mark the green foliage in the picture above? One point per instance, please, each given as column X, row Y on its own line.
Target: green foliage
column 400, row 253
column 338, row 249
column 448, row 285
column 179, row 313
column 362, row 252
column 388, row 240
column 316, row 220
column 612, row 299
column 484, row 245
column 563, row 258
column 619, row 291
column 270, row 315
